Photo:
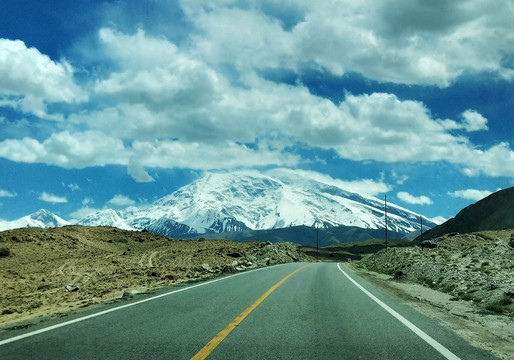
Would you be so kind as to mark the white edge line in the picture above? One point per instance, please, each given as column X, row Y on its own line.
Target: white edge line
column 436, row 345
column 66, row 323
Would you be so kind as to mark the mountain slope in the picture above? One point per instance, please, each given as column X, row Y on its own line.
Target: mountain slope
column 495, row 212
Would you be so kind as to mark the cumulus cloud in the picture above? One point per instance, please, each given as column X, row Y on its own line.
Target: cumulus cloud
column 415, row 200
column 410, row 42
column 30, row 80
column 121, row 200
column 68, row 150
column 471, row 121
column 166, row 93
column 470, row 194
column 177, row 105
column 51, row 198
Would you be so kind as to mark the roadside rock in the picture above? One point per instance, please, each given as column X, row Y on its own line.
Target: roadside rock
column 207, row 267
column 131, row 293
column 71, row 287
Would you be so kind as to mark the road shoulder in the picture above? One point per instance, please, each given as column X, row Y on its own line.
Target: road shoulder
column 493, row 333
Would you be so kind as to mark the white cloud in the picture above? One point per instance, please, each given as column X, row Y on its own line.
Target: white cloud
column 51, row 198
column 471, row 121
column 68, row 150
column 121, row 200
column 138, row 173
column 6, row 193
column 228, row 155
column 415, row 200
column 366, row 187
column 470, row 194
column 175, row 106
column 408, row 42
column 30, row 79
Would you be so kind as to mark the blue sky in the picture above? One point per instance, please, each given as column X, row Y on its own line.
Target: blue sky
column 109, row 104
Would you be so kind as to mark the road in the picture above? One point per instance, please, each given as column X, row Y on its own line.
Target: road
column 291, row 311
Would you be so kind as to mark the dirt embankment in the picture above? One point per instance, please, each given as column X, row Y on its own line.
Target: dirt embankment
column 467, row 281
column 52, row 271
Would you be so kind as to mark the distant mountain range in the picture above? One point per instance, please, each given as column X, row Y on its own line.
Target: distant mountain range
column 495, row 212
column 41, row 218
column 245, row 203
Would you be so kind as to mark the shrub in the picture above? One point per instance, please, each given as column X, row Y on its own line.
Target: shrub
column 499, row 306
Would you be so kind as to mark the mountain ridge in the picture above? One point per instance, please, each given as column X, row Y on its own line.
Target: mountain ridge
column 494, row 212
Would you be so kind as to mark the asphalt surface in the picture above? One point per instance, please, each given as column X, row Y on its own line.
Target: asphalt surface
column 316, row 313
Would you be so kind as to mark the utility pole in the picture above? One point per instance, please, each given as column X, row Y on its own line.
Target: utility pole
column 385, row 213
column 317, row 241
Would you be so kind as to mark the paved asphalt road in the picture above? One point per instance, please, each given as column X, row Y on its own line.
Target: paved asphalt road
column 317, row 312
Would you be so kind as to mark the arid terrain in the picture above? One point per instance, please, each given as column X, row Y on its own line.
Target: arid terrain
column 52, row 271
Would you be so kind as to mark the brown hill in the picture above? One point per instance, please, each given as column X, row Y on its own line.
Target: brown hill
column 49, row 271
column 495, row 212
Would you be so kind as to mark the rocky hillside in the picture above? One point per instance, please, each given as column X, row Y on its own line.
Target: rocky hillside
column 48, row 271
column 495, row 212
column 477, row 267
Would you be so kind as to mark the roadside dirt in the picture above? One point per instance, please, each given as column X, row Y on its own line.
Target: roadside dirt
column 52, row 271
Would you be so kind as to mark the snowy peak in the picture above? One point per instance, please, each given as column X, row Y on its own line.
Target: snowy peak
column 107, row 217
column 276, row 199
column 41, row 218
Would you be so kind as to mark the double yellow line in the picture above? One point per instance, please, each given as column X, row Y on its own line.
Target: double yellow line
column 211, row 345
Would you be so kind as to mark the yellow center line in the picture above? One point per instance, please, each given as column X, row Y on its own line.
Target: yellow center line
column 211, row 345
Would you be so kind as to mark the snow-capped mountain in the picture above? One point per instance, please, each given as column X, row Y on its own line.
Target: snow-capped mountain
column 41, row 218
column 106, row 217
column 249, row 200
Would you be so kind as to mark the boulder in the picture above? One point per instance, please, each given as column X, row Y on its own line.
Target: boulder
column 4, row 251
column 429, row 244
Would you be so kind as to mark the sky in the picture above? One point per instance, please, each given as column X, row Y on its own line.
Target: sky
column 110, row 104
